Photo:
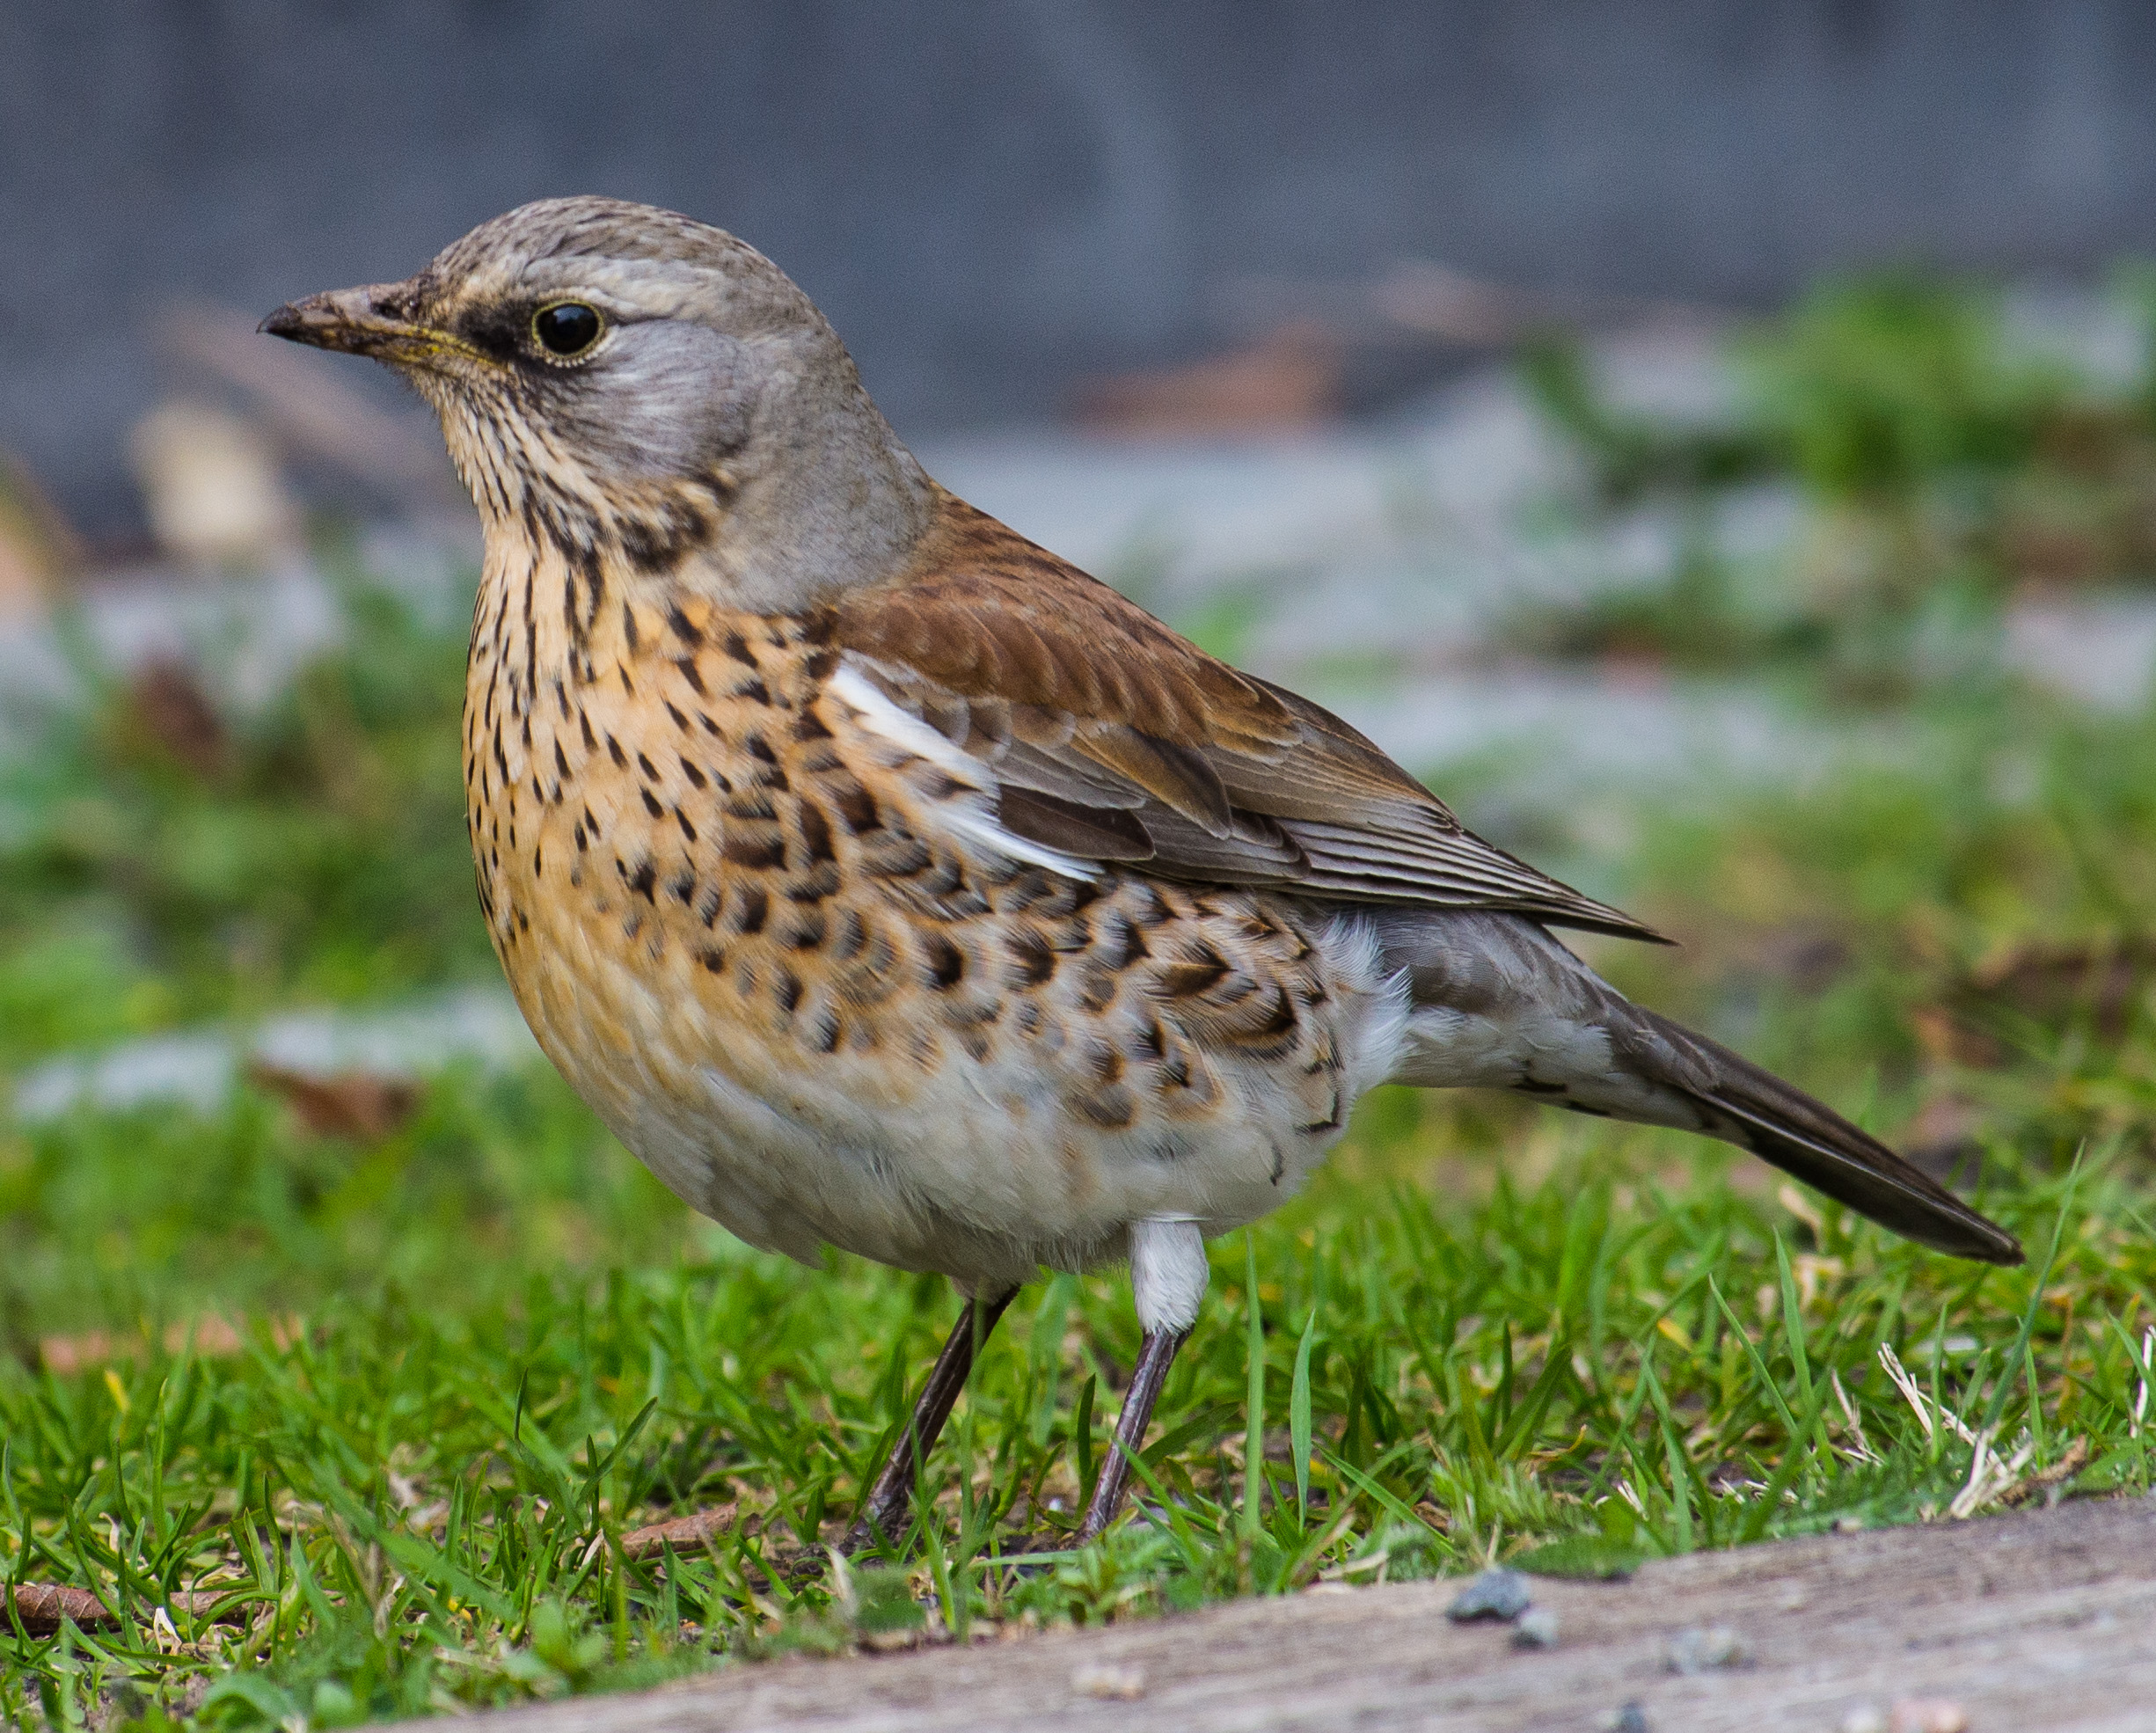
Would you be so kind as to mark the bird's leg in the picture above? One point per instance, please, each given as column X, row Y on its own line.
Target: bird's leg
column 890, row 1501
column 1156, row 1353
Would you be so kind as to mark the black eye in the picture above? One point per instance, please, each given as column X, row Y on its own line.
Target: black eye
column 567, row 328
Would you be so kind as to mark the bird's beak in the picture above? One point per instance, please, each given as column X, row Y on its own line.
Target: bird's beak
column 366, row 321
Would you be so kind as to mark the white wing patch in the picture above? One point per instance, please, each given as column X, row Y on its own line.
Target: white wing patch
column 971, row 817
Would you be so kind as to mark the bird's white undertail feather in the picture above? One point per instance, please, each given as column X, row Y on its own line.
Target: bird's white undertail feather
column 1168, row 1272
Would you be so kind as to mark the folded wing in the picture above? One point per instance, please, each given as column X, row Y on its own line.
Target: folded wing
column 1113, row 738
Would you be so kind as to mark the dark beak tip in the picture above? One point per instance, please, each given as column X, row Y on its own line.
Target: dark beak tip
column 286, row 321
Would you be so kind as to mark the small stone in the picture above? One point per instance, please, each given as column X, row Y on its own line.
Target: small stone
column 1631, row 1718
column 1703, row 1648
column 1535, row 1628
column 1865, row 1718
column 1495, row 1594
column 1927, row 1714
column 1104, row 1679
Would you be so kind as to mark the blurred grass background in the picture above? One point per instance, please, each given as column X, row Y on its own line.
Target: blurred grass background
column 392, row 1377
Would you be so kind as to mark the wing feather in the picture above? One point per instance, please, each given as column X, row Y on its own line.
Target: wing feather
column 1112, row 738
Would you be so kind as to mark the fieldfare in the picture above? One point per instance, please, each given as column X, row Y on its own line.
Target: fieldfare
column 884, row 881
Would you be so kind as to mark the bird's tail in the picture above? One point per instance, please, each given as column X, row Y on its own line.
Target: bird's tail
column 1497, row 1002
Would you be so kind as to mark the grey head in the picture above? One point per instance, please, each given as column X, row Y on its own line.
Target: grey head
column 635, row 386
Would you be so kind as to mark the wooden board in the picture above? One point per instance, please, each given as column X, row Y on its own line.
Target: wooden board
column 2038, row 1621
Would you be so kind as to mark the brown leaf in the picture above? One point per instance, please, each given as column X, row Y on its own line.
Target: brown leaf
column 1290, row 379
column 43, row 1607
column 684, row 1534
column 359, row 1105
column 170, row 707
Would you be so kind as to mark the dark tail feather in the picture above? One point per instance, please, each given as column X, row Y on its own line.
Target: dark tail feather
column 1756, row 1110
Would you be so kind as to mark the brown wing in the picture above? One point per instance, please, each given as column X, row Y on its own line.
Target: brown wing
column 1116, row 739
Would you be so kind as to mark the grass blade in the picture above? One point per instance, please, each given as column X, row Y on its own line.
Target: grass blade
column 1298, row 1418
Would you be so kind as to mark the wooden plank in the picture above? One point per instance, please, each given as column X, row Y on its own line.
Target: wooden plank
column 2037, row 1621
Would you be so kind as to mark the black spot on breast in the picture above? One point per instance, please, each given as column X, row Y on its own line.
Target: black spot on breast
column 651, row 803
column 816, row 831
column 1198, row 974
column 754, row 745
column 712, row 959
column 696, row 777
column 946, row 963
column 1112, row 1110
column 674, row 711
column 1032, row 959
column 642, row 880
column 692, row 674
column 614, row 751
column 804, row 933
column 1119, row 943
column 852, row 935
column 808, row 725
column 628, row 627
column 682, row 887
column 761, row 853
column 687, row 829
column 855, row 806
column 561, row 762
column 683, row 628
column 813, row 885
column 751, row 908
column 707, row 904
column 737, row 647
column 787, row 990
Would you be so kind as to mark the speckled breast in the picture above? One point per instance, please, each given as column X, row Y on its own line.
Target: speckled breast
column 740, row 924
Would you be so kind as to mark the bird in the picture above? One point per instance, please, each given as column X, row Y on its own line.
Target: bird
column 883, row 881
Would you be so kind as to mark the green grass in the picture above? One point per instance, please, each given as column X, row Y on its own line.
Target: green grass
column 314, row 852
column 473, row 1354
column 1938, row 468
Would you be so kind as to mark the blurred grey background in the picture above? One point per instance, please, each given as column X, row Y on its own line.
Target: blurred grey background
column 997, row 201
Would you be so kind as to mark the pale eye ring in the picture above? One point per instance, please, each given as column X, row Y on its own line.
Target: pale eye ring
column 568, row 328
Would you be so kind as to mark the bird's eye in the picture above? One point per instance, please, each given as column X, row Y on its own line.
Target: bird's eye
column 567, row 328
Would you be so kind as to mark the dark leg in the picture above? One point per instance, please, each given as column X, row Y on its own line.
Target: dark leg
column 890, row 1501
column 1156, row 1353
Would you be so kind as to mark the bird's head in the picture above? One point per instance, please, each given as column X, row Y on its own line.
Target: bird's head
column 632, row 384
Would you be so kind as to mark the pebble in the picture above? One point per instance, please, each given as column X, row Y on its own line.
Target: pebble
column 1631, row 1718
column 1703, row 1648
column 1495, row 1594
column 1536, row 1628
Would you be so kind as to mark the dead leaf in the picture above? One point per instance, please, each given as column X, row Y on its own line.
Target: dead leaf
column 2048, row 1480
column 169, row 707
column 1290, row 379
column 684, row 1534
column 43, row 1607
column 358, row 1105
